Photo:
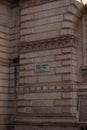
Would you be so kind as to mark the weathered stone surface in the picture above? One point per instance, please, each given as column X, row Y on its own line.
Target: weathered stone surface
column 42, row 32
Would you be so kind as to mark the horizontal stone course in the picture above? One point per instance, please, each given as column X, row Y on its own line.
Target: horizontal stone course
column 49, row 78
column 63, row 102
column 39, row 22
column 43, row 59
column 42, row 7
column 63, row 70
column 28, row 73
column 42, row 96
column 40, row 36
column 42, row 103
column 24, row 103
column 43, row 14
column 40, row 29
column 41, row 53
column 41, row 79
column 40, row 110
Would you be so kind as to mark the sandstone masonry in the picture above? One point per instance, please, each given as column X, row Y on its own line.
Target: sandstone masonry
column 43, row 65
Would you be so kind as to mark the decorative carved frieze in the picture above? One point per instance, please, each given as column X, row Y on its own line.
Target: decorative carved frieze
column 56, row 88
column 30, row 3
column 52, row 43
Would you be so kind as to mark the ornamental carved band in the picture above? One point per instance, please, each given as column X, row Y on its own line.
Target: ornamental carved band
column 27, row 88
column 52, row 43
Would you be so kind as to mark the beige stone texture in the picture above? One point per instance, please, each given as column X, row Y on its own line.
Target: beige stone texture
column 42, row 103
column 43, row 32
column 63, row 102
column 43, row 96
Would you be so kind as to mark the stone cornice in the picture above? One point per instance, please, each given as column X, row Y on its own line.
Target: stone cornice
column 30, row 3
column 52, row 43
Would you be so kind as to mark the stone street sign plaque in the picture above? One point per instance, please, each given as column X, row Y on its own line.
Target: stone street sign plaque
column 42, row 68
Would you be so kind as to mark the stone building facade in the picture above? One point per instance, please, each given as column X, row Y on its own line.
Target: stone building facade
column 43, row 65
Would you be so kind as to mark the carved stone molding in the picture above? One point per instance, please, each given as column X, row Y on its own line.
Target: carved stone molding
column 29, row 3
column 56, row 88
column 52, row 43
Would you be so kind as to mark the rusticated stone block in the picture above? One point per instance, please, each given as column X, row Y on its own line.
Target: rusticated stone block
column 44, row 110
column 67, row 95
column 34, row 96
column 63, row 70
column 53, row 78
column 42, row 103
column 67, row 109
column 67, row 102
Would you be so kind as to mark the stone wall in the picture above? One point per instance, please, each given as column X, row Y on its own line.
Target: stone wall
column 48, row 87
column 5, row 26
column 48, row 37
column 8, row 51
column 47, row 20
column 41, row 33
